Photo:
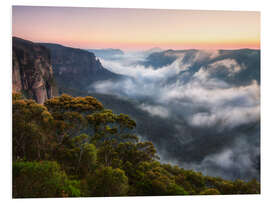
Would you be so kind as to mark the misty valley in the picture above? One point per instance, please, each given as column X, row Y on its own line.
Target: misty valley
column 199, row 109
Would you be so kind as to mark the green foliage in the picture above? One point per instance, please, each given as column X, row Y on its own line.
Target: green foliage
column 107, row 181
column 42, row 179
column 31, row 129
column 16, row 96
column 66, row 102
column 152, row 179
column 174, row 189
column 72, row 146
column 135, row 153
column 251, row 187
column 210, row 191
column 77, row 156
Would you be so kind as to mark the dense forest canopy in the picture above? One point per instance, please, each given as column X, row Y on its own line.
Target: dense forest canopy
column 74, row 147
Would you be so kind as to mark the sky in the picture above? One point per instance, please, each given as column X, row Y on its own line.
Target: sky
column 137, row 29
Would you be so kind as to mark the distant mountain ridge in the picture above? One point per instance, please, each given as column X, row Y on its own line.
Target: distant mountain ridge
column 106, row 53
column 247, row 59
column 153, row 50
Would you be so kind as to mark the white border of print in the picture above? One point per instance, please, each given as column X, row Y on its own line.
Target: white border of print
column 250, row 5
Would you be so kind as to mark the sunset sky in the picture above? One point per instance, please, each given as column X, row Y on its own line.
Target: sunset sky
column 137, row 29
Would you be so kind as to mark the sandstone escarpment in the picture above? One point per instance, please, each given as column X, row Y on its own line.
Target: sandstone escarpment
column 32, row 73
column 76, row 68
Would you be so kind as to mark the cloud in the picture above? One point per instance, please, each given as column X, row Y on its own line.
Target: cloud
column 208, row 116
column 229, row 64
column 230, row 163
column 223, row 104
column 142, row 81
column 195, row 55
column 228, row 117
column 142, row 73
column 205, row 54
column 155, row 110
column 126, row 59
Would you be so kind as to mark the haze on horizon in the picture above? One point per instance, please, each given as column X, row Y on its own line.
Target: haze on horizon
column 137, row 29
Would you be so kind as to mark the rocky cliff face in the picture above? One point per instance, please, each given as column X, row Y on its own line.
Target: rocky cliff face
column 32, row 73
column 76, row 68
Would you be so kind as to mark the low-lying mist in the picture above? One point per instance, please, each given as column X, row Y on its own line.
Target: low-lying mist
column 214, row 118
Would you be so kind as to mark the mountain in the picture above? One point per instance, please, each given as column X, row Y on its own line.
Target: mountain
column 160, row 59
column 76, row 68
column 153, row 50
column 32, row 73
column 237, row 67
column 106, row 53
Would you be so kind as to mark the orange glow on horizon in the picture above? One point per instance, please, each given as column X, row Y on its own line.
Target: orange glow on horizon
column 138, row 29
column 143, row 45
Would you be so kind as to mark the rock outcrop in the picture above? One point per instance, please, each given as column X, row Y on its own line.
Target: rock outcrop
column 76, row 68
column 32, row 72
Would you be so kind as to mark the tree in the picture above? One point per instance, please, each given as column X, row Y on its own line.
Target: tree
column 69, row 114
column 241, row 187
column 74, row 116
column 152, row 179
column 128, row 156
column 110, row 130
column 32, row 136
column 223, row 186
column 191, row 181
column 174, row 189
column 67, row 103
column 77, row 156
column 42, row 179
column 210, row 191
column 107, row 181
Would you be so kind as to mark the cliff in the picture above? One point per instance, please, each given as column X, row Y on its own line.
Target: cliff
column 32, row 73
column 76, row 68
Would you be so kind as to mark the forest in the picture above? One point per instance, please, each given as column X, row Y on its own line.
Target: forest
column 75, row 147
